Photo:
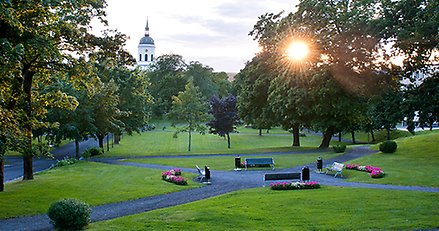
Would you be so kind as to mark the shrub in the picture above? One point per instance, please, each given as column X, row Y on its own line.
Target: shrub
column 339, row 148
column 388, row 146
column 92, row 152
column 69, row 214
column 66, row 161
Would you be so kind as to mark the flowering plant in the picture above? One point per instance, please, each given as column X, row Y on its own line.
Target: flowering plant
column 174, row 176
column 294, row 185
column 375, row 172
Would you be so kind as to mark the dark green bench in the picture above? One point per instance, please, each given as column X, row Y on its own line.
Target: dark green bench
column 259, row 162
column 282, row 176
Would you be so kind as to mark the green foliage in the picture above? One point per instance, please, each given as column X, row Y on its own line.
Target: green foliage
column 92, row 152
column 69, row 214
column 66, row 161
column 339, row 148
column 388, row 146
column 190, row 108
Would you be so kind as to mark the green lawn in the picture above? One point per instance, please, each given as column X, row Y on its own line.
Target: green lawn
column 162, row 143
column 227, row 163
column 416, row 162
column 93, row 183
column 328, row 208
column 380, row 136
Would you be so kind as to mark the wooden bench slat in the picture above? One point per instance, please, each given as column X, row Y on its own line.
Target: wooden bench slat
column 282, row 176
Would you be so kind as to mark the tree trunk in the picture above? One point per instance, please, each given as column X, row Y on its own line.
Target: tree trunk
column 27, row 155
column 190, row 138
column 101, row 140
column 228, row 140
column 260, row 131
column 353, row 136
column 373, row 135
column 327, row 137
column 116, row 138
column 77, row 149
column 108, row 142
column 388, row 134
column 2, row 174
column 27, row 167
column 296, row 136
column 339, row 137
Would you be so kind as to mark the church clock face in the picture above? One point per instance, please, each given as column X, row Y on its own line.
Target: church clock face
column 146, row 50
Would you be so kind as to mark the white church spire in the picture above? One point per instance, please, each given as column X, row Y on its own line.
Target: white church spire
column 146, row 49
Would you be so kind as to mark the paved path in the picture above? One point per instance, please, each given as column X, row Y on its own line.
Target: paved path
column 222, row 182
column 14, row 166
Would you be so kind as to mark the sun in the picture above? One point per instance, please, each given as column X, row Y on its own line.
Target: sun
column 298, row 50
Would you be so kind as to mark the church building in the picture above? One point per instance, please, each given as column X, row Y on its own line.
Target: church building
column 146, row 50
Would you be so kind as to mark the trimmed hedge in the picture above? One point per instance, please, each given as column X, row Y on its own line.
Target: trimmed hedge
column 388, row 146
column 69, row 214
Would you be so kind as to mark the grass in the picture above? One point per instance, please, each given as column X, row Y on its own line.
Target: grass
column 328, row 208
column 380, row 136
column 227, row 163
column 415, row 162
column 93, row 183
column 162, row 143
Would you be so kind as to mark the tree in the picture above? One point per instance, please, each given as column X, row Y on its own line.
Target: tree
column 423, row 101
column 386, row 110
column 167, row 79
column 52, row 34
column 225, row 116
column 252, row 84
column 189, row 107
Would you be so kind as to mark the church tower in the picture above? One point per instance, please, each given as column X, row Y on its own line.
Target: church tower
column 146, row 50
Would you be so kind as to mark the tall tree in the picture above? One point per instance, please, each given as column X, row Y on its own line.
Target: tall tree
column 386, row 110
column 252, row 84
column 167, row 79
column 53, row 34
column 189, row 107
column 225, row 116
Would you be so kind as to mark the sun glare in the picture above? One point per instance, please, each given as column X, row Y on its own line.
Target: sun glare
column 298, row 50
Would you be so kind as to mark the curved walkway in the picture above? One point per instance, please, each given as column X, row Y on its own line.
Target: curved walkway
column 222, row 182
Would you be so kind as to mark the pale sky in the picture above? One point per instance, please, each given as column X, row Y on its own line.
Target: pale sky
column 214, row 33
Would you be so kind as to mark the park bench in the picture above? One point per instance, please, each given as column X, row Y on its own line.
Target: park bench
column 282, row 176
column 201, row 173
column 259, row 162
column 335, row 167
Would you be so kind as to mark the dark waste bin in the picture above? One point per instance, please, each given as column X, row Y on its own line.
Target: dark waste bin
column 207, row 173
column 305, row 173
column 319, row 164
column 237, row 162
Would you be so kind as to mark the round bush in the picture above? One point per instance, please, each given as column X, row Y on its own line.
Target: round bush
column 70, row 214
column 388, row 146
column 339, row 148
column 92, row 152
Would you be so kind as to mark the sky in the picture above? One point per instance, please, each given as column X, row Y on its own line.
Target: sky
column 214, row 33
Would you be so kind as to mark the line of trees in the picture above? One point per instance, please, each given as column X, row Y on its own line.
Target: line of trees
column 348, row 82
column 60, row 80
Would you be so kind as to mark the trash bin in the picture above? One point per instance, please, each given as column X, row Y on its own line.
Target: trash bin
column 319, row 164
column 207, row 173
column 305, row 173
column 237, row 163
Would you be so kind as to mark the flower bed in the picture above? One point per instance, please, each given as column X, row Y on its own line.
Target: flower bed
column 174, row 176
column 374, row 172
column 294, row 185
